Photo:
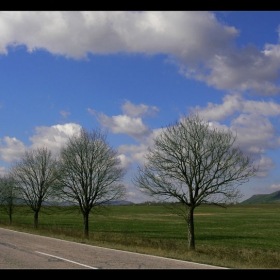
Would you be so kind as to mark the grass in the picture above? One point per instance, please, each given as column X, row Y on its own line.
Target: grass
column 240, row 236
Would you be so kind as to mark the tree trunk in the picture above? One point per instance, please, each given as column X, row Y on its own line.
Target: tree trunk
column 10, row 215
column 36, row 215
column 190, row 222
column 86, row 224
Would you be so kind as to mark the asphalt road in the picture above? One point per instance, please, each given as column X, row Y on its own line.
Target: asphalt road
column 20, row 250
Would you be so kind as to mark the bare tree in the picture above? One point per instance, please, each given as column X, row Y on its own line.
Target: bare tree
column 9, row 195
column 35, row 175
column 90, row 173
column 194, row 163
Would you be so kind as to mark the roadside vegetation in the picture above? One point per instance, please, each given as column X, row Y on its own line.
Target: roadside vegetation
column 238, row 236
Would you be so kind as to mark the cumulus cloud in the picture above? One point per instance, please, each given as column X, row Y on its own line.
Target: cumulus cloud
column 251, row 140
column 125, row 161
column 141, row 110
column 12, row 150
column 255, row 133
column 125, row 124
column 53, row 138
column 130, row 122
column 136, row 153
column 264, row 165
column 251, row 121
column 75, row 33
column 235, row 104
column 202, row 47
column 231, row 104
column 244, row 70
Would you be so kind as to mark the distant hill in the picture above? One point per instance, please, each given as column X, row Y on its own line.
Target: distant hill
column 65, row 203
column 263, row 198
column 120, row 202
column 115, row 202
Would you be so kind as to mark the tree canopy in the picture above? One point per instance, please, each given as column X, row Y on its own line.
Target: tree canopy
column 193, row 162
column 90, row 172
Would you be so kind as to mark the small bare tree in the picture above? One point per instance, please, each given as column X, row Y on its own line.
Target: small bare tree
column 90, row 172
column 9, row 195
column 194, row 163
column 35, row 175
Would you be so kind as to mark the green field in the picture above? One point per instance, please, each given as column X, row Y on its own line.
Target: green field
column 239, row 236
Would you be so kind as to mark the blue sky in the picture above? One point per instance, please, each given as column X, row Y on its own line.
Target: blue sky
column 132, row 73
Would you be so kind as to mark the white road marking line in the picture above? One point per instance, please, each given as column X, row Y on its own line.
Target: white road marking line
column 66, row 260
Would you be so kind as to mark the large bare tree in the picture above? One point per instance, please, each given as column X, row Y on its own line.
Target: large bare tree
column 194, row 163
column 9, row 196
column 90, row 172
column 35, row 175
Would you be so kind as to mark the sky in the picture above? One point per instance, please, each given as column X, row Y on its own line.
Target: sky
column 132, row 73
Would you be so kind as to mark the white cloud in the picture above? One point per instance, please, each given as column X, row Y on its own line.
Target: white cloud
column 125, row 161
column 130, row 122
column 141, row 110
column 235, row 103
column 231, row 103
column 136, row 153
column 53, row 137
column 264, row 165
column 250, row 120
column 202, row 47
column 125, row 124
column 75, row 33
column 247, row 69
column 274, row 187
column 64, row 113
column 255, row 133
column 12, row 150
